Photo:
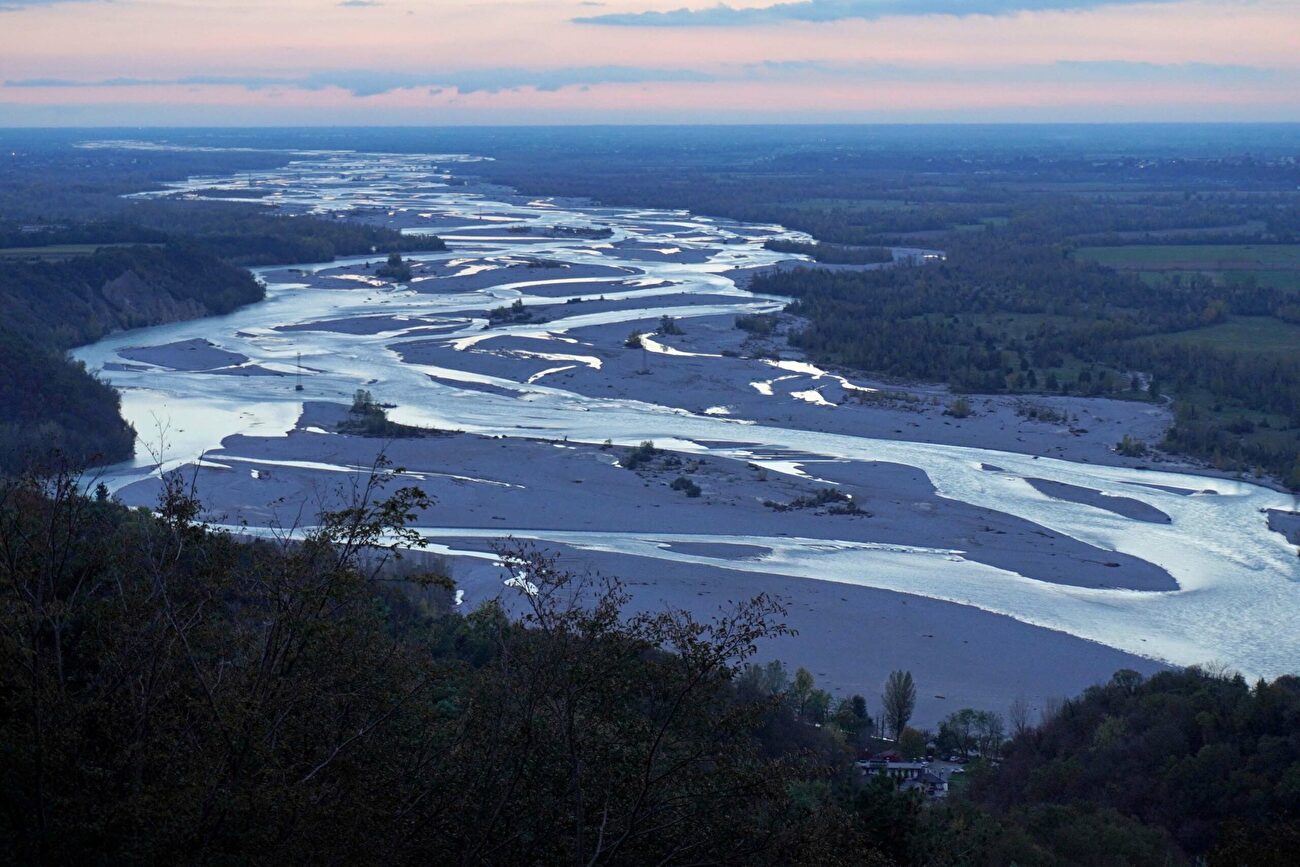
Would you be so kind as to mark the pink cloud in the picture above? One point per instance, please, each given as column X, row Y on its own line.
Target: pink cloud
column 308, row 40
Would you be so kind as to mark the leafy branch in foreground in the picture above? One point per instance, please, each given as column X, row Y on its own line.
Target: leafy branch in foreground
column 171, row 693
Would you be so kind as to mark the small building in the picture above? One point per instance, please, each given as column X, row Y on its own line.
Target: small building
column 928, row 783
column 897, row 771
column 908, row 776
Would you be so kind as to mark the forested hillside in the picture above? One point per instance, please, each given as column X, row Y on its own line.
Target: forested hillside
column 78, row 300
column 1206, row 757
column 171, row 694
column 51, row 402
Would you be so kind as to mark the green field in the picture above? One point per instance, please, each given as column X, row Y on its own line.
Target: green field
column 1197, row 257
column 1257, row 334
column 55, row 252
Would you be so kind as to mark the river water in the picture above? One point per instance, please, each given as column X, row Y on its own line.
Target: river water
column 1238, row 600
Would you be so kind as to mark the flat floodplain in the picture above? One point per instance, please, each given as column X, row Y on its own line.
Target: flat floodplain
column 1018, row 518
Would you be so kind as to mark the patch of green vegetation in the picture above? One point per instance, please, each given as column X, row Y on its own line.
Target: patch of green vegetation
column 1131, row 447
column 515, row 313
column 760, row 324
column 1287, row 281
column 58, row 252
column 981, row 224
column 833, row 500
column 669, row 325
column 959, row 408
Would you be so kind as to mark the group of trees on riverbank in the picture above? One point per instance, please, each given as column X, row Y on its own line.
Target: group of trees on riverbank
column 832, row 254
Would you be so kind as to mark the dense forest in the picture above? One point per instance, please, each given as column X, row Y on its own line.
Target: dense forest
column 256, row 235
column 52, row 404
column 80, row 299
column 1205, row 756
column 172, row 694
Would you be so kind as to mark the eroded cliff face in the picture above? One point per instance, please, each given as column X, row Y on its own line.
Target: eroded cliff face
column 64, row 304
column 131, row 301
column 49, row 403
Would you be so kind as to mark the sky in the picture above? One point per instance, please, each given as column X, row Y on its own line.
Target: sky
column 419, row 62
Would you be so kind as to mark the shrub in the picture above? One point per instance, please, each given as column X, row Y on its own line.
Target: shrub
column 395, row 269
column 1131, row 447
column 640, row 456
column 959, row 408
column 668, row 325
column 760, row 324
column 681, row 483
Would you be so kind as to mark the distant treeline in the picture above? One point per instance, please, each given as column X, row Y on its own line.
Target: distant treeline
column 861, row 192
column 239, row 233
column 832, row 254
column 46, row 178
column 41, row 234
column 253, row 235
